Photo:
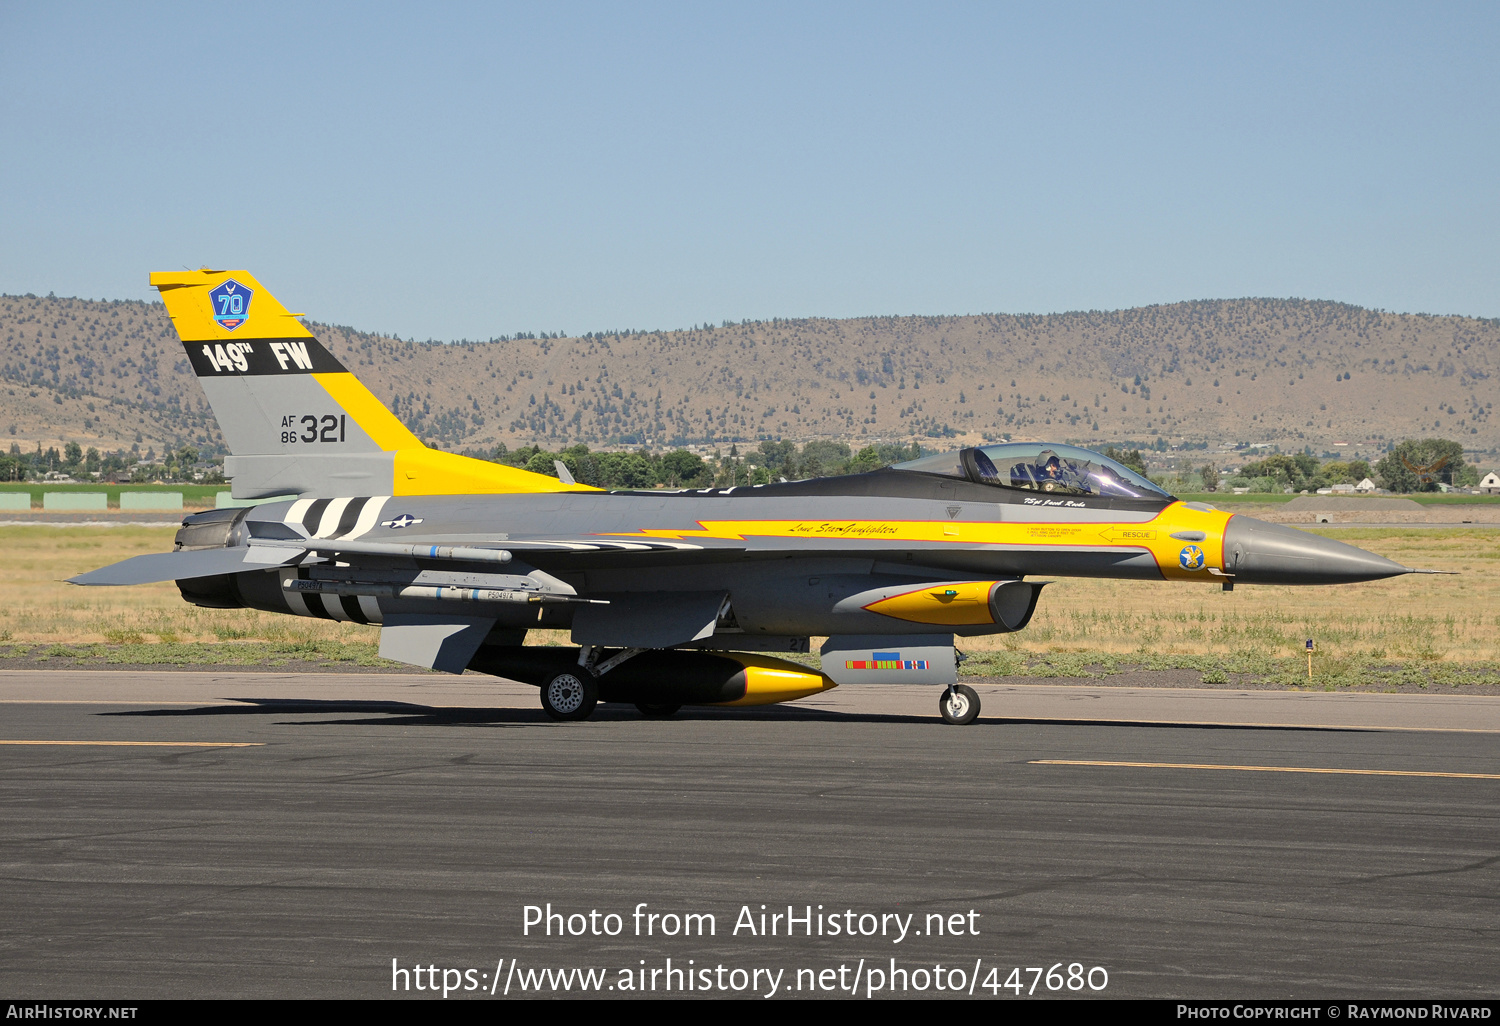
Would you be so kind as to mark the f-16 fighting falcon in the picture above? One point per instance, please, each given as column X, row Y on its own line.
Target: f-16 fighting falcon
column 672, row 597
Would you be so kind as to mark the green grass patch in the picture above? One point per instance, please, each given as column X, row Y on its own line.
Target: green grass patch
column 192, row 495
column 1220, row 498
column 1439, row 499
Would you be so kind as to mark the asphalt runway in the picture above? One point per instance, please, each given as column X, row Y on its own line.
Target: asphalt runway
column 368, row 818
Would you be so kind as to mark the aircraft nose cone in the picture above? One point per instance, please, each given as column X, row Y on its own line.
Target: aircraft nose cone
column 1257, row 552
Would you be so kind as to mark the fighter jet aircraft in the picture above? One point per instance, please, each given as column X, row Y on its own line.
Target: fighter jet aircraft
column 672, row 597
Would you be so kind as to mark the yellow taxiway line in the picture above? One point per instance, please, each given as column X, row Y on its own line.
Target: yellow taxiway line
column 147, row 744
column 1265, row 769
column 102, row 701
column 1249, row 724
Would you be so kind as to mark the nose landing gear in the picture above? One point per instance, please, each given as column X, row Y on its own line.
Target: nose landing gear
column 959, row 704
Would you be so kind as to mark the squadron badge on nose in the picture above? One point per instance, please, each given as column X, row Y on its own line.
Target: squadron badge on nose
column 1191, row 557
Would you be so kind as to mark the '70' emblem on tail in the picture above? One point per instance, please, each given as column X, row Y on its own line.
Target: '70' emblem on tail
column 231, row 303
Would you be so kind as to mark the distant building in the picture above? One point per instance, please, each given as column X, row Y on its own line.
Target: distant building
column 1365, row 486
column 1490, row 485
column 1342, row 489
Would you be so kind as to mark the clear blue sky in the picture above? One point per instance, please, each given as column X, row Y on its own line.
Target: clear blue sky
column 465, row 171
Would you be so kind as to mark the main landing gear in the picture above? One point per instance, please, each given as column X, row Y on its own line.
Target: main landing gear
column 571, row 695
column 959, row 704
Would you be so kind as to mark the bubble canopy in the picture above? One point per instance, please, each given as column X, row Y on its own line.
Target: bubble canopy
column 1040, row 467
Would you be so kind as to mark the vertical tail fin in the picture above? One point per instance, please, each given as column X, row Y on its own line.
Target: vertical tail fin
column 295, row 419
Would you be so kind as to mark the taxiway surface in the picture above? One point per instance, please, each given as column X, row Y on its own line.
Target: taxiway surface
column 366, row 818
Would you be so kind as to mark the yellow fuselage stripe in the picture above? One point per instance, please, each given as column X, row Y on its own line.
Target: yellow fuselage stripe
column 1154, row 536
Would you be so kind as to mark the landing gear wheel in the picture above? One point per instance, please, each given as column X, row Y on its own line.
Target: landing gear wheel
column 657, row 710
column 959, row 704
column 570, row 695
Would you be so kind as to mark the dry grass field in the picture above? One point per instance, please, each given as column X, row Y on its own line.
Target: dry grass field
column 1437, row 628
column 39, row 612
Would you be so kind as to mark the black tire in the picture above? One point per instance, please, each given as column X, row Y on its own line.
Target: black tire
column 657, row 710
column 571, row 695
column 959, row 705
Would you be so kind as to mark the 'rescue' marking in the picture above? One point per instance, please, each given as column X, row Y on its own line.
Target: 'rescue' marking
column 1266, row 769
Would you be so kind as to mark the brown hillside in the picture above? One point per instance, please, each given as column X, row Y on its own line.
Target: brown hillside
column 1255, row 370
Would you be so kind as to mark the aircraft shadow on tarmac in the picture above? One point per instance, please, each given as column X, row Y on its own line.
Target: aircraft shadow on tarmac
column 407, row 714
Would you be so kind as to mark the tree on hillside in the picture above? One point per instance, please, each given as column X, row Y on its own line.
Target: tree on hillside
column 14, row 466
column 1419, row 465
column 681, row 467
column 822, row 458
column 627, row 469
column 1297, row 472
column 780, row 458
column 1340, row 472
column 1132, row 458
column 1210, row 474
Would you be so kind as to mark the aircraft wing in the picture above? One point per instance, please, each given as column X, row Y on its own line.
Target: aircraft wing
column 595, row 543
column 156, row 567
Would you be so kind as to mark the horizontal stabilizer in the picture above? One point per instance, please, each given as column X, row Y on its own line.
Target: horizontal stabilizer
column 180, row 566
column 444, row 643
